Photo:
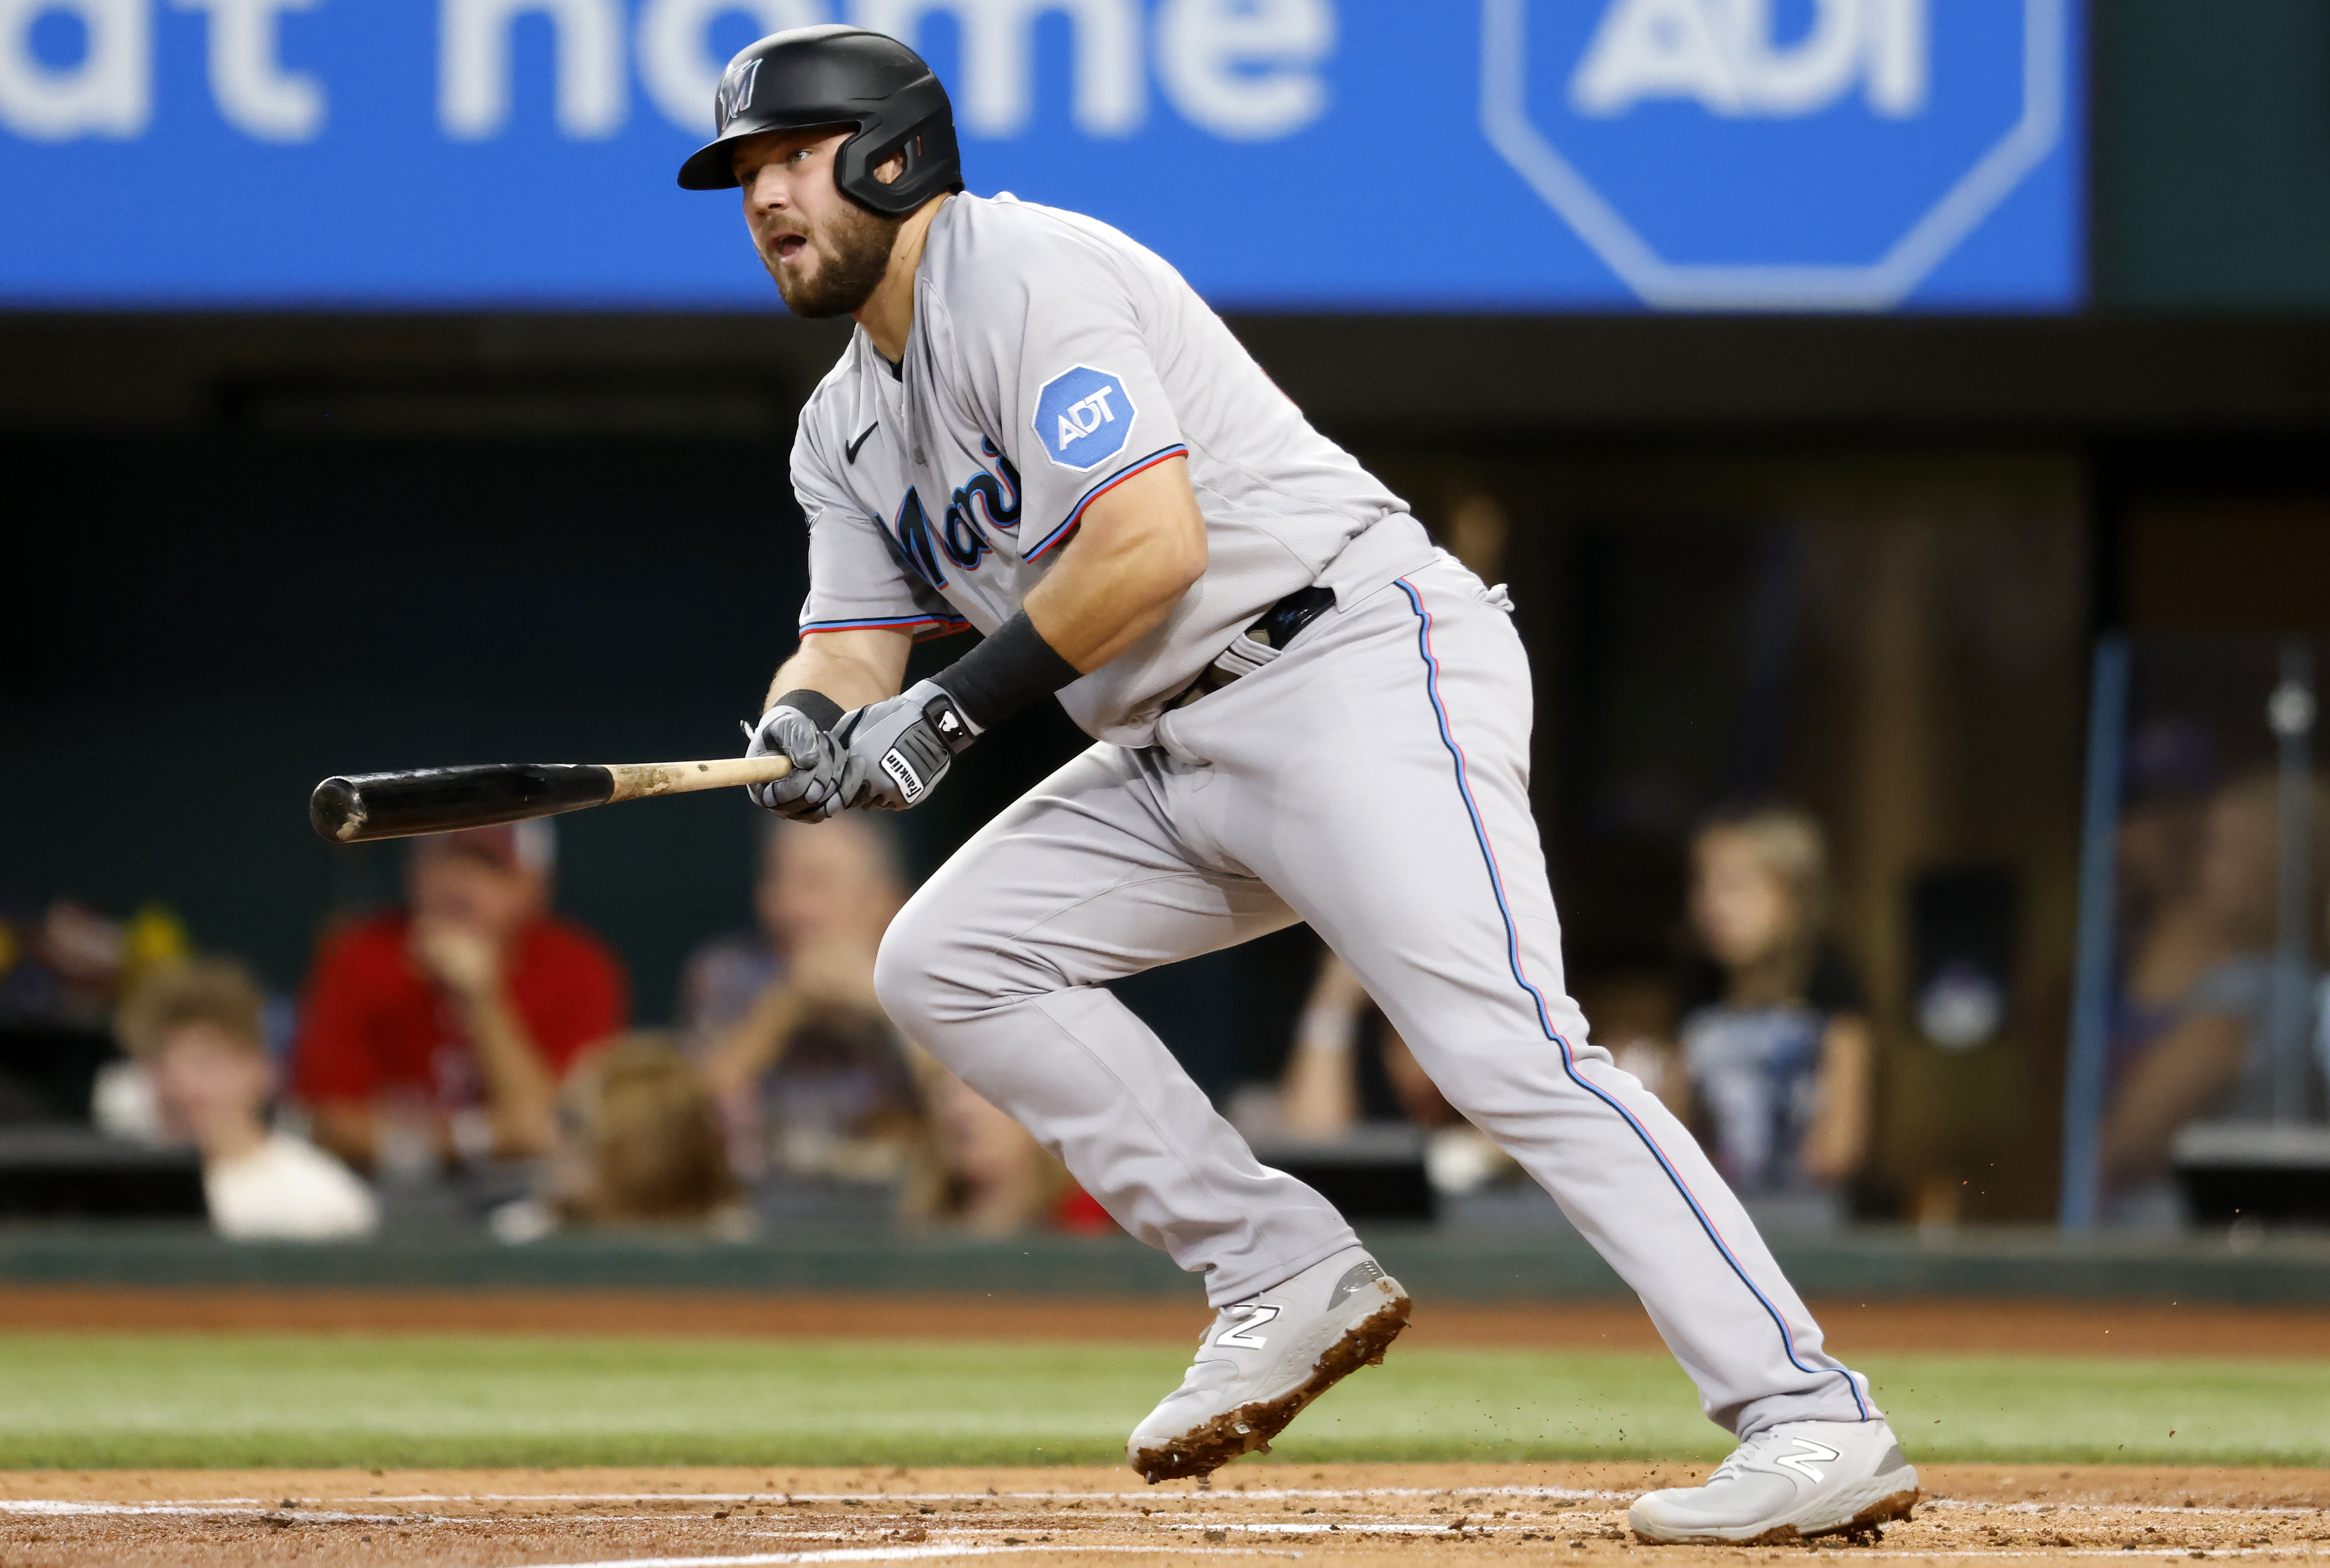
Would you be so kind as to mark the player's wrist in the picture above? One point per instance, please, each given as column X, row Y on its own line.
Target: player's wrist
column 938, row 706
column 815, row 706
column 1014, row 668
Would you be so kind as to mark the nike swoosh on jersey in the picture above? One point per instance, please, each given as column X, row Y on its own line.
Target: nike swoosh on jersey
column 850, row 450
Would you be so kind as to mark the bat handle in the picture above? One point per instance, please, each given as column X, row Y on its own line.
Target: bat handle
column 637, row 781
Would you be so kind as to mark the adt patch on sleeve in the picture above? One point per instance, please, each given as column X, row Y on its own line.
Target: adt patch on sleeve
column 1084, row 418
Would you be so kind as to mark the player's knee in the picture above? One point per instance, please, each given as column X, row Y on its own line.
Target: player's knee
column 926, row 974
column 948, row 959
column 902, row 974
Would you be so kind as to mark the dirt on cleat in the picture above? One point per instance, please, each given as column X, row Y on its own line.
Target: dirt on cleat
column 1250, row 1427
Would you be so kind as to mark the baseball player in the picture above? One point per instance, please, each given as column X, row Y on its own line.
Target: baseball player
column 1302, row 711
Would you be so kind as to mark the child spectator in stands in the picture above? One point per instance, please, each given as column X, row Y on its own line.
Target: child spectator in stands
column 197, row 1029
column 655, row 1147
column 1776, row 1054
column 440, row 1031
column 640, row 1143
column 813, row 1078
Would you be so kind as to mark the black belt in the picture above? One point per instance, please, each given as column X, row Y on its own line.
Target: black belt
column 1279, row 625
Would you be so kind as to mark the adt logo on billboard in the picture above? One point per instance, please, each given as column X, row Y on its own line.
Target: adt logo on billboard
column 1775, row 154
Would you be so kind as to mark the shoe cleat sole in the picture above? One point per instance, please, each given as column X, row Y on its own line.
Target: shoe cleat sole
column 1249, row 1428
column 1862, row 1527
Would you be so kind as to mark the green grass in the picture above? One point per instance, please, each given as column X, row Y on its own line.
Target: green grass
column 100, row 1399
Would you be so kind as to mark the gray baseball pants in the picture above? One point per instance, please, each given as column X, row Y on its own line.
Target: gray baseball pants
column 1373, row 780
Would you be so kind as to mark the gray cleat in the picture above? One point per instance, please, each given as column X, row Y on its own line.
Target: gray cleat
column 1788, row 1482
column 1266, row 1358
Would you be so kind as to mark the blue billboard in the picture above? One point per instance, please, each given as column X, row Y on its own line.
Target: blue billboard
column 1401, row 154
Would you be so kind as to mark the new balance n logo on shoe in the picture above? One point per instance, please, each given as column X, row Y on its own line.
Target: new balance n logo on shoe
column 1243, row 1335
column 1808, row 1451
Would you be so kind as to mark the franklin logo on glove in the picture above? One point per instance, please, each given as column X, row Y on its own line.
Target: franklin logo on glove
column 910, row 783
column 901, row 748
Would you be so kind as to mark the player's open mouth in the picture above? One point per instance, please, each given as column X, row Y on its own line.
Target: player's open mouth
column 790, row 245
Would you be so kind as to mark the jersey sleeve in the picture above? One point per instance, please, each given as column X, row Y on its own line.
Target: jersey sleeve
column 1060, row 349
column 858, row 580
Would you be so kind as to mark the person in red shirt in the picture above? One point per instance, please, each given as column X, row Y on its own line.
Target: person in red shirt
column 443, row 1029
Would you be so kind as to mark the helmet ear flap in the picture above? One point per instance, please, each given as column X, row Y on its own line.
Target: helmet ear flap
column 926, row 144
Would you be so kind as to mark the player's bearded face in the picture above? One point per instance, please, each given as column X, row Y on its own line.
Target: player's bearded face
column 829, row 266
column 827, row 253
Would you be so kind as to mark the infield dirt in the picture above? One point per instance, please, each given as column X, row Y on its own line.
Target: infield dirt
column 1358, row 1515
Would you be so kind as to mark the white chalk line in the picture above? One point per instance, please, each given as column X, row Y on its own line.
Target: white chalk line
column 904, row 1554
column 1216, row 1495
column 43, row 1508
column 781, row 1499
column 914, row 1553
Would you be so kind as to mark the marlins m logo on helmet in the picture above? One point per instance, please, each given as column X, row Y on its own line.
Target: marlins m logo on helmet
column 737, row 90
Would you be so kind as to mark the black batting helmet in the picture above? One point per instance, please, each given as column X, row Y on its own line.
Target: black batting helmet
column 813, row 76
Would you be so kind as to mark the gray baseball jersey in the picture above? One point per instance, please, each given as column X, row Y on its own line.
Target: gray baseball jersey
column 1051, row 359
column 1371, row 777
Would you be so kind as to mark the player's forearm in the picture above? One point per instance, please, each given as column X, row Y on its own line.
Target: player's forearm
column 1137, row 552
column 1138, row 548
column 2179, row 1078
column 755, row 1043
column 1318, row 1097
column 1319, row 1092
column 852, row 667
column 520, row 1094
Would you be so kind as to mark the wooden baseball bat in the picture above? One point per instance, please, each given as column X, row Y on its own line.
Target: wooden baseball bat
column 367, row 805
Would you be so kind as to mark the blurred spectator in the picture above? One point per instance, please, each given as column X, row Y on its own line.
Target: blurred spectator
column 1344, row 1048
column 441, row 1031
column 812, row 1077
column 2322, row 1025
column 69, row 964
column 1776, row 1058
column 1320, row 1093
column 2166, row 934
column 1477, row 532
column 62, row 968
column 196, row 1028
column 640, row 1143
column 987, row 1174
column 2210, row 1054
column 814, row 1082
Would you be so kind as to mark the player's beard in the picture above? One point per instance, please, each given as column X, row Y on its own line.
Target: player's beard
column 854, row 251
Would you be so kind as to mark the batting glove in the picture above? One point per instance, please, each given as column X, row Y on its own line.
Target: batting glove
column 813, row 791
column 899, row 749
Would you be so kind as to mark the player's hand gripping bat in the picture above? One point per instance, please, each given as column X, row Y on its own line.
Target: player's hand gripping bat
column 366, row 805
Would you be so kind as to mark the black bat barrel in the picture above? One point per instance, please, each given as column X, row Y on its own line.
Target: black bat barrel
column 366, row 805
